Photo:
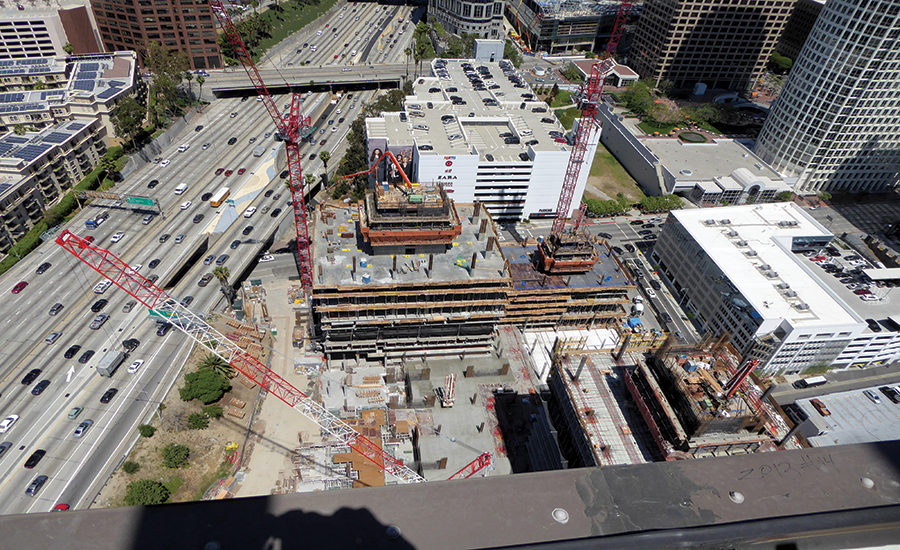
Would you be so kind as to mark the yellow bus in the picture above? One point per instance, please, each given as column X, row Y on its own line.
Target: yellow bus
column 219, row 197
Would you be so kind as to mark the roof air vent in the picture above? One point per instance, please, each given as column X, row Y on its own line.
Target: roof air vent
column 741, row 243
column 765, row 267
column 802, row 307
column 751, row 253
column 709, row 222
column 790, row 293
column 783, row 286
column 772, row 274
column 725, row 222
column 732, row 233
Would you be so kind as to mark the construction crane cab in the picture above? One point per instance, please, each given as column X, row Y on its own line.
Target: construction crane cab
column 567, row 252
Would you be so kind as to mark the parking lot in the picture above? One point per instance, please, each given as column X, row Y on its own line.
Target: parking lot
column 844, row 275
column 854, row 418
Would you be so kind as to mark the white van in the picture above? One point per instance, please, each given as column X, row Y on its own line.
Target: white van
column 181, row 189
column 184, row 147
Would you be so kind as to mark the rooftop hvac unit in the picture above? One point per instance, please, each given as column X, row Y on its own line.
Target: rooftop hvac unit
column 751, row 253
column 803, row 306
column 783, row 285
column 772, row 274
column 784, row 223
column 790, row 293
column 793, row 223
column 725, row 222
column 732, row 233
column 765, row 267
column 709, row 222
column 741, row 243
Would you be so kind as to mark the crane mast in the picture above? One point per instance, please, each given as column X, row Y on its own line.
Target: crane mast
column 291, row 128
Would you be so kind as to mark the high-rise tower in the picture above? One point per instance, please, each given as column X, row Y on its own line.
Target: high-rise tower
column 836, row 124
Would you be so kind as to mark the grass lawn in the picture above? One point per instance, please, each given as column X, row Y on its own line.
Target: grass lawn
column 710, row 128
column 562, row 99
column 567, row 116
column 608, row 176
column 292, row 19
column 650, row 127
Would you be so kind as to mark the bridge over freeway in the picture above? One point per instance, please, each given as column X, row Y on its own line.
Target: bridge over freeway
column 309, row 79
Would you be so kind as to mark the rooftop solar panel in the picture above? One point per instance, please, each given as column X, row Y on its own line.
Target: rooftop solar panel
column 85, row 85
column 51, row 94
column 21, row 107
column 12, row 97
column 56, row 137
column 17, row 139
column 6, row 147
column 31, row 152
column 4, row 187
column 75, row 126
column 34, row 70
column 84, row 75
column 108, row 93
column 117, row 83
column 90, row 66
column 7, row 62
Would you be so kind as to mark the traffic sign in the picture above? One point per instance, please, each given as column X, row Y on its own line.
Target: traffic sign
column 139, row 200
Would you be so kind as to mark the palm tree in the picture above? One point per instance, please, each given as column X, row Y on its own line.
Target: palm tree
column 190, row 78
column 200, row 81
column 222, row 273
column 107, row 168
column 408, row 52
column 325, row 156
column 218, row 365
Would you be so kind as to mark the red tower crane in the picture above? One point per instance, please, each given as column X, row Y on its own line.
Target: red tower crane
column 589, row 98
column 291, row 128
column 201, row 331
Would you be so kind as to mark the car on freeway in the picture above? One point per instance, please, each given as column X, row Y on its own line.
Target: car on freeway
column 165, row 163
column 89, row 239
column 205, row 279
column 186, row 204
column 253, row 140
column 234, row 244
column 20, row 286
column 40, row 387
column 135, row 366
column 53, row 337
column 129, row 306
column 102, row 286
column 163, row 329
column 198, row 218
column 312, row 156
column 110, row 393
column 117, row 236
column 151, row 280
column 232, row 141
column 209, row 259
column 164, row 237
column 153, row 263
column 43, row 268
column 99, row 305
column 276, row 197
column 187, row 301
column 73, row 414
column 206, row 145
column 219, row 171
column 72, row 351
column 56, row 308
column 323, row 142
column 276, row 212
column 35, row 458
column 248, row 213
column 31, row 377
column 86, row 356
column 198, row 128
column 268, row 193
column 247, row 230
column 83, row 427
column 180, row 238
column 206, row 196
column 222, row 259
column 36, row 485
column 265, row 210
column 233, row 115
column 99, row 321
column 8, row 422
column 228, row 173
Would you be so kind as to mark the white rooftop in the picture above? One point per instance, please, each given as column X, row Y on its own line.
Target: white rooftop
column 767, row 230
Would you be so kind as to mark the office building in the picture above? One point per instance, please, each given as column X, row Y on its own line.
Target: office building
column 798, row 27
column 482, row 18
column 179, row 25
column 29, row 30
column 836, row 123
column 739, row 270
column 499, row 146
column 724, row 44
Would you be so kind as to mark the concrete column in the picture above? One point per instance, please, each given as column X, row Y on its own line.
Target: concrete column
column 580, row 366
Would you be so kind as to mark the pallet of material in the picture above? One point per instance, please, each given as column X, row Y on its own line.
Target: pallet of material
column 235, row 402
column 237, row 413
column 247, row 382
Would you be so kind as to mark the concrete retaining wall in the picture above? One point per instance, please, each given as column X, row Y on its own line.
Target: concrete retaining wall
column 637, row 159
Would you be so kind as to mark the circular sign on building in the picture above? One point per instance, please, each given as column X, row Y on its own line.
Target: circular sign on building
column 449, row 163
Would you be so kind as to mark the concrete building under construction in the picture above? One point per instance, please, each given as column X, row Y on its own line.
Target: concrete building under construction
column 566, row 26
column 407, row 273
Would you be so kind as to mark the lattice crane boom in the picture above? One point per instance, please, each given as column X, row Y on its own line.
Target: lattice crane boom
column 589, row 100
column 198, row 328
column 291, row 128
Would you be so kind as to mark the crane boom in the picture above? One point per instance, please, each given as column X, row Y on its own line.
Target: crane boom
column 290, row 129
column 197, row 327
column 589, row 100
column 374, row 167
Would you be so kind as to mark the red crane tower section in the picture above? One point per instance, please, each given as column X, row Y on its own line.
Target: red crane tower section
column 589, row 99
column 195, row 325
column 290, row 128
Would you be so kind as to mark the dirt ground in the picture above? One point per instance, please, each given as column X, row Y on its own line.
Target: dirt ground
column 209, row 461
column 608, row 178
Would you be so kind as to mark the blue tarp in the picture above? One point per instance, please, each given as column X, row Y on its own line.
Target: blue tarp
column 633, row 322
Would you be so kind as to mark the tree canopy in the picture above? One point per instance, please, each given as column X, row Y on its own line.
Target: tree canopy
column 661, row 204
column 205, row 385
column 145, row 492
column 127, row 118
column 175, row 455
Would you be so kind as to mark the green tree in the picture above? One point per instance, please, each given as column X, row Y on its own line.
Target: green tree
column 218, row 365
column 40, row 85
column 200, row 81
column 663, row 115
column 408, row 53
column 325, row 156
column 205, row 385
column 169, row 68
column 175, row 456
column 108, row 168
column 638, row 97
column 221, row 273
column 572, row 73
column 145, row 492
column 189, row 76
column 213, row 411
column 554, row 91
column 825, row 196
column 779, row 63
column 146, row 430
column 512, row 53
column 127, row 118
column 197, row 421
column 785, row 196
column 69, row 48
column 19, row 129
column 131, row 467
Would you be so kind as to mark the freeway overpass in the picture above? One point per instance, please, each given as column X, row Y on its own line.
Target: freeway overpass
column 232, row 83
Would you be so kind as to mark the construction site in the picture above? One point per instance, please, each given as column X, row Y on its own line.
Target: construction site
column 563, row 26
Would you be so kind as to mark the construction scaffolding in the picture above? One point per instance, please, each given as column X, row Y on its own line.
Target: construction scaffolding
column 396, row 218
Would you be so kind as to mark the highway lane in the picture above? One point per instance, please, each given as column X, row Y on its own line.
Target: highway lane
column 43, row 423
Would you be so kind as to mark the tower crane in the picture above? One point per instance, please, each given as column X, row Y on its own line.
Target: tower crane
column 198, row 328
column 291, row 127
column 589, row 99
